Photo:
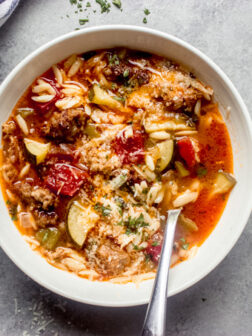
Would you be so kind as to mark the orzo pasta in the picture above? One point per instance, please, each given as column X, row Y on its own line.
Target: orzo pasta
column 100, row 147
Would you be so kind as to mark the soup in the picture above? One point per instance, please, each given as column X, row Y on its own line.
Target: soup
column 100, row 147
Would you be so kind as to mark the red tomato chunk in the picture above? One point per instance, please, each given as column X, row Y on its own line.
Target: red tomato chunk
column 65, row 179
column 130, row 149
column 187, row 151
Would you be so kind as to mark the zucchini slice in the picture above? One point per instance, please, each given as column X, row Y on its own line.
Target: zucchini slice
column 37, row 149
column 183, row 172
column 224, row 182
column 79, row 221
column 99, row 96
column 166, row 149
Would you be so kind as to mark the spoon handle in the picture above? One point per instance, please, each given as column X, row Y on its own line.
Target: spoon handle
column 155, row 319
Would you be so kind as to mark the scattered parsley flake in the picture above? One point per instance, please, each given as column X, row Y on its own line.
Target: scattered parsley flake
column 155, row 243
column 73, row 2
column 126, row 73
column 133, row 224
column 105, row 6
column 185, row 246
column 12, row 210
column 145, row 191
column 202, row 171
column 83, row 21
column 117, row 3
column 137, row 248
column 121, row 99
column 146, row 11
column 105, row 211
column 120, row 223
column 88, row 4
column 144, row 20
column 113, row 86
column 114, row 60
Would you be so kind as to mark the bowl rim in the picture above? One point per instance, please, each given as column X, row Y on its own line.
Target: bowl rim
column 231, row 88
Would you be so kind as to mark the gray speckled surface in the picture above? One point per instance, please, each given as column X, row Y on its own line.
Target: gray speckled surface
column 219, row 305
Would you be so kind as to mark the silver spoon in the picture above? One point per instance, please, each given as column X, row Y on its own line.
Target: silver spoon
column 155, row 319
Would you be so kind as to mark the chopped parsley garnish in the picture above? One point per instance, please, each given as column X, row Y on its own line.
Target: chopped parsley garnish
column 126, row 73
column 114, row 60
column 147, row 258
column 120, row 210
column 73, row 2
column 145, row 191
column 105, row 211
column 105, row 6
column 121, row 205
column 113, row 86
column 117, row 3
column 12, row 210
column 137, row 248
column 120, row 223
column 88, row 4
column 144, row 20
column 155, row 243
column 133, row 224
column 146, row 11
column 83, row 21
column 121, row 99
column 202, row 171
column 184, row 244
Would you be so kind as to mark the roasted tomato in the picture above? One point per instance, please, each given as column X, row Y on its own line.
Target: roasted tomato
column 45, row 107
column 130, row 148
column 65, row 179
column 187, row 151
column 154, row 247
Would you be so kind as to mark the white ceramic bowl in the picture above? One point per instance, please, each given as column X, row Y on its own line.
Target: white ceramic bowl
column 236, row 213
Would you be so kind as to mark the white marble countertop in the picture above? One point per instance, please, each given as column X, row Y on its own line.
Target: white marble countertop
column 220, row 304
